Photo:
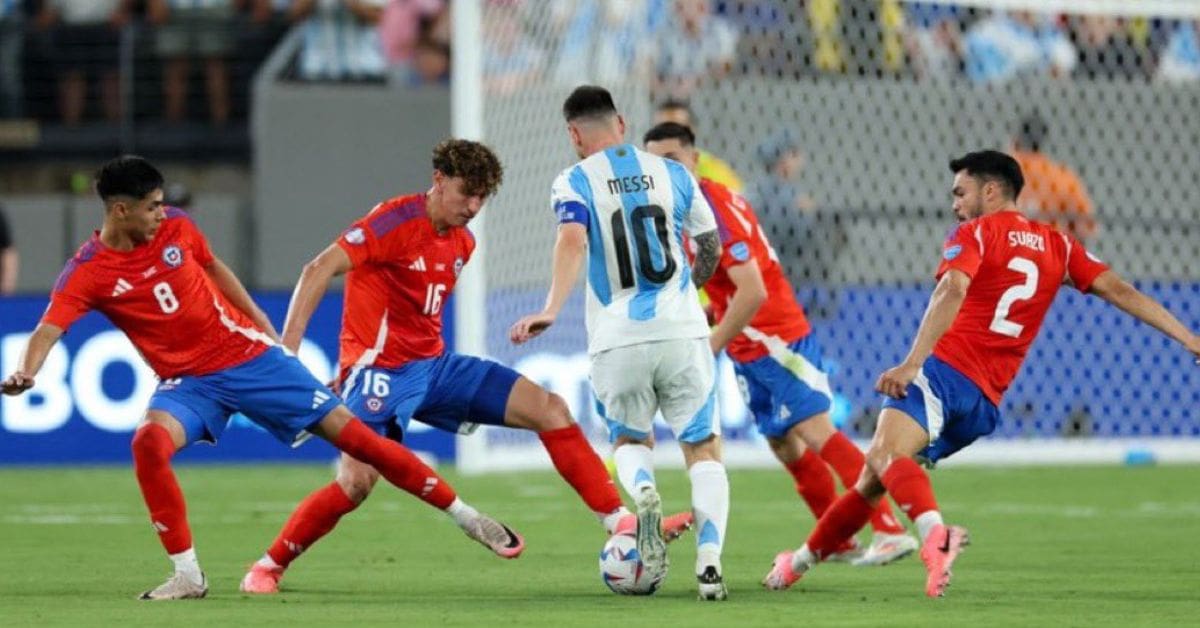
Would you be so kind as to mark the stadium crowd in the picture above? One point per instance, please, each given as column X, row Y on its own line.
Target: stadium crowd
column 55, row 53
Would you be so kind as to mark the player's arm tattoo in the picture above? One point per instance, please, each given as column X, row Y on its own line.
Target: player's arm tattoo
column 708, row 253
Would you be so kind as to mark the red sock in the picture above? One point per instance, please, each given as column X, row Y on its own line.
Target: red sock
column 908, row 484
column 395, row 463
column 814, row 482
column 152, row 451
column 313, row 519
column 579, row 465
column 844, row 518
column 847, row 461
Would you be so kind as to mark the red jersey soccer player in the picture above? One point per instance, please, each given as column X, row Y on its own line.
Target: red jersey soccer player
column 149, row 269
column 997, row 279
column 776, row 358
column 402, row 260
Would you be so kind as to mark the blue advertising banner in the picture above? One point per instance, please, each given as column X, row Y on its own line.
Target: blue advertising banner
column 93, row 390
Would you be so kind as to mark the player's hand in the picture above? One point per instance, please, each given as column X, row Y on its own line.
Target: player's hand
column 335, row 385
column 1194, row 347
column 530, row 326
column 894, row 381
column 17, row 383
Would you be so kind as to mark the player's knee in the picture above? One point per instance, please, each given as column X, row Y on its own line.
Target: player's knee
column 151, row 443
column 357, row 482
column 876, row 463
column 552, row 414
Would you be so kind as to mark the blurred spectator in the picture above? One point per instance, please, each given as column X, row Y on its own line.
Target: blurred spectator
column 1053, row 192
column 511, row 60
column 693, row 46
column 1106, row 50
column 9, row 260
column 708, row 166
column 83, row 37
column 403, row 28
column 1181, row 58
column 934, row 40
column 785, row 212
column 1004, row 46
column 772, row 35
column 341, row 39
column 12, row 41
column 431, row 63
column 194, row 29
column 606, row 41
column 267, row 24
column 862, row 37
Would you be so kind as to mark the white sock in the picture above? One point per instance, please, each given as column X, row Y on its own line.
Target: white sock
column 710, row 505
column 268, row 562
column 461, row 512
column 611, row 520
column 635, row 467
column 803, row 559
column 925, row 522
column 187, row 564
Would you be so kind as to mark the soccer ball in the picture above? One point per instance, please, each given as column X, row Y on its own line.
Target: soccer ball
column 622, row 570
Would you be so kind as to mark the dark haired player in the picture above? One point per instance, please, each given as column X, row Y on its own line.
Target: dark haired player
column 997, row 279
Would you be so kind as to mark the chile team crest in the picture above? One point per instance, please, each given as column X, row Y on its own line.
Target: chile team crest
column 172, row 256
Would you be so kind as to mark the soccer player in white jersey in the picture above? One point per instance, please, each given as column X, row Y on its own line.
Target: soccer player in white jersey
column 625, row 212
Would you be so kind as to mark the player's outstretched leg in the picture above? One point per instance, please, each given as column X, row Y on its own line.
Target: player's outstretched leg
column 154, row 443
column 890, row 541
column 532, row 407
column 403, row 469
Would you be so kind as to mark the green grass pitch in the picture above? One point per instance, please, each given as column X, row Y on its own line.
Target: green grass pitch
column 1084, row 546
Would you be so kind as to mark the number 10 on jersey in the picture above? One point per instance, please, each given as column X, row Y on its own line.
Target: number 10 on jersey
column 638, row 218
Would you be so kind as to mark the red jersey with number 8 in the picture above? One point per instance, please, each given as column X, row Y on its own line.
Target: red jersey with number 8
column 161, row 297
column 1016, row 268
column 404, row 271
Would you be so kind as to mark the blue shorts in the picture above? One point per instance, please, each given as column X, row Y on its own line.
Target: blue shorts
column 951, row 408
column 450, row 392
column 785, row 389
column 274, row 390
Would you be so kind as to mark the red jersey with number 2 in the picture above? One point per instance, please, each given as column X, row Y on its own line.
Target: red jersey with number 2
column 161, row 297
column 404, row 270
column 1016, row 268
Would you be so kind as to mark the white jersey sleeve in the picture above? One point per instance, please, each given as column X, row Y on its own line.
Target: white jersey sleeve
column 568, row 204
column 700, row 218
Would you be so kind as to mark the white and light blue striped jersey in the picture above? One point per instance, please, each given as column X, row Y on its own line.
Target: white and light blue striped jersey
column 635, row 206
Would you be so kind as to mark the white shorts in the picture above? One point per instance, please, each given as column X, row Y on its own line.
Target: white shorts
column 634, row 382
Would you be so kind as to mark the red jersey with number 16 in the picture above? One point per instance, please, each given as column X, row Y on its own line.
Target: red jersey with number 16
column 161, row 297
column 404, row 270
column 1016, row 268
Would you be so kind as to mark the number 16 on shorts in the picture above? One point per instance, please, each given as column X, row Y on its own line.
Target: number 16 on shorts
column 376, row 384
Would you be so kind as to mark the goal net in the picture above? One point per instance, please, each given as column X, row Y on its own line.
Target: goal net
column 838, row 118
